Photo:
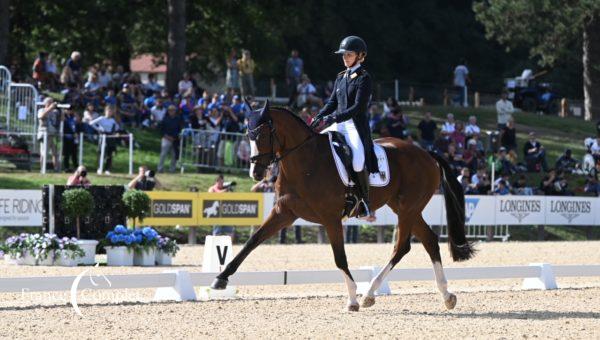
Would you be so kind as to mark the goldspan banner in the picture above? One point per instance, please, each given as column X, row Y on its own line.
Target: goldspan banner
column 232, row 208
column 169, row 208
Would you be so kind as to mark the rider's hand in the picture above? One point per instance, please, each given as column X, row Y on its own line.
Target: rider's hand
column 315, row 123
column 328, row 120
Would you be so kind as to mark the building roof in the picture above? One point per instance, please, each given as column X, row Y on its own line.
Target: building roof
column 147, row 63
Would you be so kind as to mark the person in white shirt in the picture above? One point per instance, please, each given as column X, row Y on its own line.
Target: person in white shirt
column 472, row 128
column 158, row 112
column 504, row 109
column 461, row 78
column 107, row 125
column 449, row 125
column 185, row 83
column 307, row 93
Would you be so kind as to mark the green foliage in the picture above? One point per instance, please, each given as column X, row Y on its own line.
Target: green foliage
column 77, row 203
column 137, row 204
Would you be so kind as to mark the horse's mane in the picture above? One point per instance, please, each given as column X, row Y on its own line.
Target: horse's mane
column 295, row 116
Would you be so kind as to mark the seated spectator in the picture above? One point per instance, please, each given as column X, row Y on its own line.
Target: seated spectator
column 152, row 84
column 186, row 105
column 566, row 162
column 441, row 144
column 455, row 158
column 470, row 155
column 520, row 187
column 145, row 180
column 157, row 113
column 552, row 184
column 375, row 118
column 89, row 114
column 535, row 155
column 93, row 85
column 506, row 178
column 395, row 124
column 508, row 135
column 458, row 135
column 481, row 181
column 389, row 104
column 128, row 106
column 592, row 186
column 502, row 189
column 79, row 177
column 595, row 148
column 307, row 93
column 449, row 125
column 504, row 109
column 472, row 128
column 427, row 128
column 506, row 166
column 185, row 84
column 110, row 98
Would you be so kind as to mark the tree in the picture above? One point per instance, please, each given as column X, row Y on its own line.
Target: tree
column 4, row 31
column 176, row 43
column 137, row 205
column 553, row 30
column 77, row 203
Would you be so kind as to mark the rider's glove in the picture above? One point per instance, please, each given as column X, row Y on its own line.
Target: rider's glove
column 315, row 123
column 328, row 120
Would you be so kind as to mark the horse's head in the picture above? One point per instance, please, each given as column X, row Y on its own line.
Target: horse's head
column 262, row 139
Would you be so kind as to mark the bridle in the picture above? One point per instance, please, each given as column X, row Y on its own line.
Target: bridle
column 272, row 157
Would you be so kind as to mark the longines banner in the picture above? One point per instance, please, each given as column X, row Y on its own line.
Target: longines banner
column 571, row 210
column 513, row 210
column 21, row 208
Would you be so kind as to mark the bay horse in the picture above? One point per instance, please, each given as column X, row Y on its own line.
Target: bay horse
column 309, row 187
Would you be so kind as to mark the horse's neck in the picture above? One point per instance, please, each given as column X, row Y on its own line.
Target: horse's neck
column 298, row 146
column 290, row 132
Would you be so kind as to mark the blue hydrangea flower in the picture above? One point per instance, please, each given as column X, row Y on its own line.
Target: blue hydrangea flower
column 120, row 229
column 114, row 239
column 138, row 238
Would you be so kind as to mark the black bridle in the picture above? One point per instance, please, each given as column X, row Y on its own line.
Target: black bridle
column 272, row 157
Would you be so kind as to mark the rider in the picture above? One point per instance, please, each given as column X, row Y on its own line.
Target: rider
column 347, row 112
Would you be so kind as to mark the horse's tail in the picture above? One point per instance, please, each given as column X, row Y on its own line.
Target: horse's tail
column 454, row 198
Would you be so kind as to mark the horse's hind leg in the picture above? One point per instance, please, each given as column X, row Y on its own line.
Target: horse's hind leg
column 401, row 248
column 279, row 218
column 430, row 242
column 335, row 232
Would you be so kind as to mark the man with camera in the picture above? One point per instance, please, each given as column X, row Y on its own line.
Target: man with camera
column 79, row 177
column 49, row 118
column 145, row 180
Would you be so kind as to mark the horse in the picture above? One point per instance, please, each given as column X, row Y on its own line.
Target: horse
column 309, row 187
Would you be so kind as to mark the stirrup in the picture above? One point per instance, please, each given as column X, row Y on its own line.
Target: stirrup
column 364, row 213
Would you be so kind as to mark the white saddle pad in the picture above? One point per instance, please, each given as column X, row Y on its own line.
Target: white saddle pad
column 380, row 179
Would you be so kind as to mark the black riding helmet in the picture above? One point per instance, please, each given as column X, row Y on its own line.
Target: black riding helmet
column 354, row 44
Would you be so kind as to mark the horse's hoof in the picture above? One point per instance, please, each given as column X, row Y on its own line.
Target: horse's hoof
column 353, row 308
column 219, row 284
column 450, row 301
column 367, row 301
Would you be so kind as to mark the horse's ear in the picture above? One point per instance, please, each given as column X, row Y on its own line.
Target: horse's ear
column 265, row 110
column 248, row 103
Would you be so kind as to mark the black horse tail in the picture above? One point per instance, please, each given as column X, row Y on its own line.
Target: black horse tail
column 454, row 197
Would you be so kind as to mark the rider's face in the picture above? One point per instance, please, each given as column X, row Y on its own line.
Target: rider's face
column 349, row 58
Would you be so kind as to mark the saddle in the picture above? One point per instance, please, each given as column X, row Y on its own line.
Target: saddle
column 342, row 154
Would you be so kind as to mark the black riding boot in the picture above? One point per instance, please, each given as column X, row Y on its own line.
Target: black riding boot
column 362, row 187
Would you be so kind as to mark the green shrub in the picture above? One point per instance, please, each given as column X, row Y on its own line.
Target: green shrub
column 137, row 205
column 77, row 203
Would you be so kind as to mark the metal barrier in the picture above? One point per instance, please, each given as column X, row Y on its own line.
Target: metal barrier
column 22, row 114
column 5, row 79
column 102, row 143
column 214, row 150
column 482, row 232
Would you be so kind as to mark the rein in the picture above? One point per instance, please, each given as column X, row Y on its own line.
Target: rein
column 271, row 154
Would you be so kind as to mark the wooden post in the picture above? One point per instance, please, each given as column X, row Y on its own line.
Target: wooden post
column 380, row 230
column 192, row 236
column 489, row 232
column 445, row 96
column 564, row 108
column 476, row 99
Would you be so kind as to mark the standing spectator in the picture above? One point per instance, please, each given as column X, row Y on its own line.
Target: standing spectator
column 107, row 125
column 535, row 154
column 110, row 98
column 49, row 118
column 504, row 109
column 79, row 178
column 427, row 127
column 246, row 67
column 71, row 130
column 157, row 113
column 508, row 135
column 461, row 78
column 170, row 128
column 185, row 84
column 294, row 68
column 145, row 180
column 307, row 93
column 232, row 78
column 74, row 64
column 449, row 125
column 472, row 128
column 39, row 70
column 52, row 72
column 128, row 106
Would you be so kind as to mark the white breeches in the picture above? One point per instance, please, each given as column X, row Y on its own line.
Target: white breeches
column 349, row 131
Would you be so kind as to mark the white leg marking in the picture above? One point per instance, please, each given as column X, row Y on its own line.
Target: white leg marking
column 440, row 279
column 376, row 281
column 351, row 285
column 253, row 152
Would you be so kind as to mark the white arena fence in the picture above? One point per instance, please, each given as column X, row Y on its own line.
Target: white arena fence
column 214, row 151
column 179, row 285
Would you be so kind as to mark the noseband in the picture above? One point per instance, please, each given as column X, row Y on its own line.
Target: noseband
column 272, row 157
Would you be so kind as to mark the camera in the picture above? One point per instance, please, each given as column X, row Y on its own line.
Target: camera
column 150, row 173
column 83, row 173
column 229, row 186
column 63, row 106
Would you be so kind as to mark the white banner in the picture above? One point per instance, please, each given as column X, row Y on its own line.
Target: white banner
column 20, row 208
column 571, row 210
column 519, row 210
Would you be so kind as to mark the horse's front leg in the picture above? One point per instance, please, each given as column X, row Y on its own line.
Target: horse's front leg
column 279, row 218
column 335, row 232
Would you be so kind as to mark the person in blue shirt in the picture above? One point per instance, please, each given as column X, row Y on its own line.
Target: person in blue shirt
column 110, row 98
column 71, row 129
column 170, row 128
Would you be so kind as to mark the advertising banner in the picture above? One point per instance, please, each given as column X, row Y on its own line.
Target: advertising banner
column 170, row 208
column 231, row 208
column 570, row 210
column 520, row 210
column 21, row 208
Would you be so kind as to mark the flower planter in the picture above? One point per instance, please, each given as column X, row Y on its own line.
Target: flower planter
column 66, row 259
column 30, row 260
column 163, row 259
column 89, row 248
column 119, row 256
column 9, row 259
column 145, row 258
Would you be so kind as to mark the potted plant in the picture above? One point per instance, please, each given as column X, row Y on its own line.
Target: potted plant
column 146, row 241
column 166, row 249
column 14, row 249
column 77, row 203
column 39, row 249
column 137, row 205
column 120, row 244
column 69, row 252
